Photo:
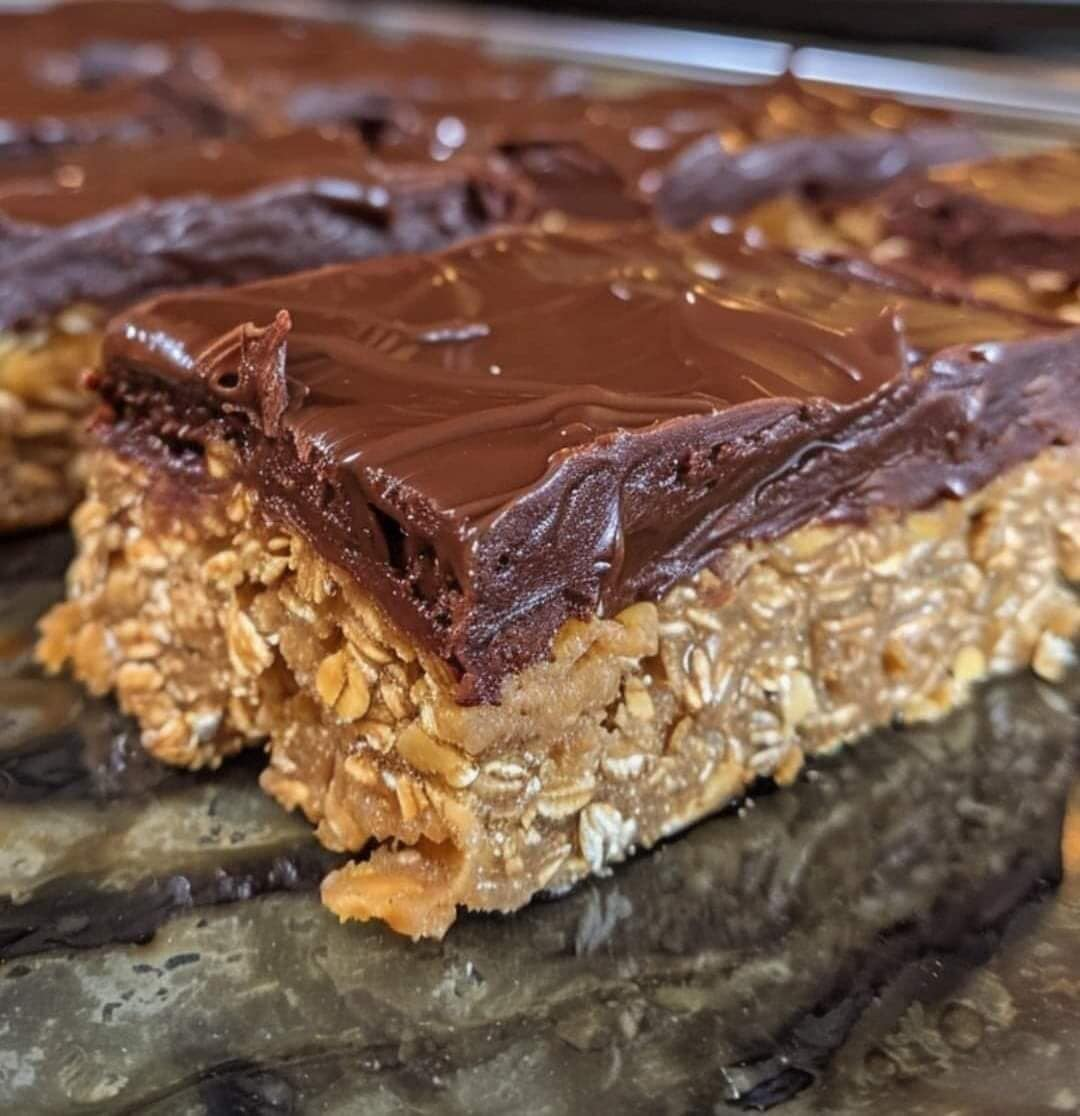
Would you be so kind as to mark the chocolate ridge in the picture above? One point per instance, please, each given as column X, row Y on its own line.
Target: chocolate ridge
column 616, row 409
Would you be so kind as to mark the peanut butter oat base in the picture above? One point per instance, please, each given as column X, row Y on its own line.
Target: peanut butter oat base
column 218, row 630
column 42, row 408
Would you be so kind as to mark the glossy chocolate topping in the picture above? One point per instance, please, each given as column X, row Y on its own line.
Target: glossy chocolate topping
column 110, row 226
column 96, row 41
column 527, row 427
column 338, row 75
column 1000, row 217
column 690, row 151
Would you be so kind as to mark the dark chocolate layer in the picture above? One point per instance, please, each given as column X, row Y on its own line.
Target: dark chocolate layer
column 689, row 151
column 528, row 428
column 1003, row 217
column 114, row 225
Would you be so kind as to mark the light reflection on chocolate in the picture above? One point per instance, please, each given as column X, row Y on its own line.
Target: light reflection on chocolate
column 687, row 151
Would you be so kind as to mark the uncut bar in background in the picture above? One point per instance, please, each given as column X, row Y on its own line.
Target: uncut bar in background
column 85, row 232
column 684, row 152
column 528, row 553
column 109, row 71
column 1005, row 230
column 122, row 71
column 108, row 227
column 117, row 71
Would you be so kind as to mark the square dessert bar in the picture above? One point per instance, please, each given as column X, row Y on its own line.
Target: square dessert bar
column 108, row 227
column 531, row 552
column 686, row 152
column 1006, row 230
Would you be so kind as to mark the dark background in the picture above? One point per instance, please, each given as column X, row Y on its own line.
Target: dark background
column 1005, row 25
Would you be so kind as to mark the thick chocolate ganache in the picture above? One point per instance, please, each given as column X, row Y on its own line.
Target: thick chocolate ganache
column 527, row 428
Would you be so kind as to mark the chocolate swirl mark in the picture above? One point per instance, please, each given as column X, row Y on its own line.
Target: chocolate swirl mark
column 510, row 396
column 245, row 369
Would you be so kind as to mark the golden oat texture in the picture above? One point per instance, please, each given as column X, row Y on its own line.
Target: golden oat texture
column 860, row 229
column 42, row 411
column 218, row 630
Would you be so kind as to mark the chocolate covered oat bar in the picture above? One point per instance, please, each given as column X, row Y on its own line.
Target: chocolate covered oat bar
column 1005, row 230
column 98, row 231
column 525, row 554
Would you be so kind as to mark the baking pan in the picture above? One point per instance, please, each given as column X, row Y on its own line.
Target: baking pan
column 900, row 932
